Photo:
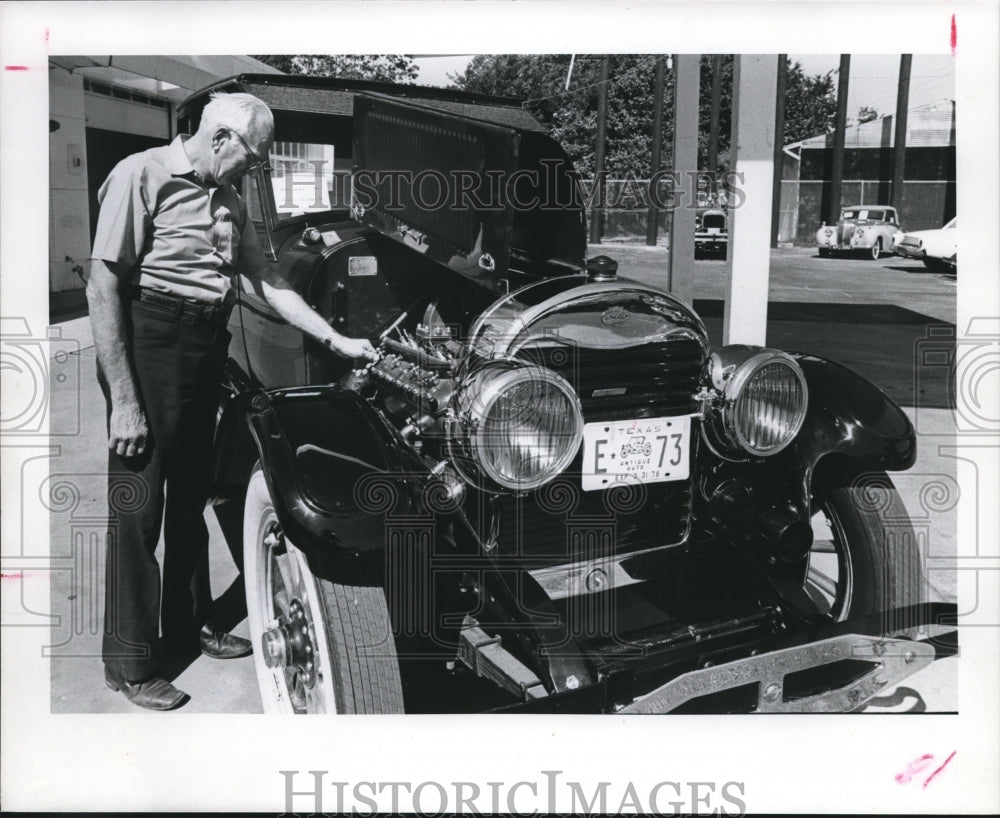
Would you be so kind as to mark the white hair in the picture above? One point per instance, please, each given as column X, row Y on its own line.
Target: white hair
column 243, row 113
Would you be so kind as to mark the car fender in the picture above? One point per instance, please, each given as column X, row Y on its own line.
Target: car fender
column 848, row 416
column 334, row 470
column 850, row 425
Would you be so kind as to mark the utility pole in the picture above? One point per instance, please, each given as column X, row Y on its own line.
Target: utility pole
column 713, row 129
column 653, row 215
column 779, row 144
column 837, row 174
column 899, row 142
column 597, row 207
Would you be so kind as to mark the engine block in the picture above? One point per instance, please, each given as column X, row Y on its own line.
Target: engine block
column 411, row 381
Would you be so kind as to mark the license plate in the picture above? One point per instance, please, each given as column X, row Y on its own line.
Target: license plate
column 651, row 450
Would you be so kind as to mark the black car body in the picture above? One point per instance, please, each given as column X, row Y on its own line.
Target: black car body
column 549, row 493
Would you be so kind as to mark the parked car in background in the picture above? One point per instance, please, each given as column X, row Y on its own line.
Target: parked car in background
column 868, row 229
column 550, row 492
column 711, row 237
column 937, row 249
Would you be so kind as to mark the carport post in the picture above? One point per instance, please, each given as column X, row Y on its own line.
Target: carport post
column 685, row 162
column 755, row 78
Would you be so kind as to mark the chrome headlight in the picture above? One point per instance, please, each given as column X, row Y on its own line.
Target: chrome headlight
column 759, row 399
column 518, row 424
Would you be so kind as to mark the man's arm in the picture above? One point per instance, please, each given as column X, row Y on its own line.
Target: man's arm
column 129, row 427
column 293, row 308
column 288, row 303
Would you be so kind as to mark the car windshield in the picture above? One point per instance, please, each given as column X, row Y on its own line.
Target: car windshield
column 305, row 178
column 866, row 214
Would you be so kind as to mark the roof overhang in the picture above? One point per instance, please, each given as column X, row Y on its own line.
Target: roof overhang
column 171, row 77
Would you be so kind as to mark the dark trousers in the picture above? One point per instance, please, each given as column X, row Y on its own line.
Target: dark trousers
column 179, row 368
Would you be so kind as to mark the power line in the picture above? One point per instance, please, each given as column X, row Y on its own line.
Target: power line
column 611, row 84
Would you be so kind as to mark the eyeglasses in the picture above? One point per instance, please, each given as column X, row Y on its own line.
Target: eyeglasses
column 256, row 163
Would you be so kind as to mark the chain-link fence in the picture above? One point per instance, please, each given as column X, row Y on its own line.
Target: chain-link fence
column 625, row 214
column 926, row 204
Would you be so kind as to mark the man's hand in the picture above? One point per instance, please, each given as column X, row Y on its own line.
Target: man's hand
column 298, row 313
column 352, row 347
column 129, row 429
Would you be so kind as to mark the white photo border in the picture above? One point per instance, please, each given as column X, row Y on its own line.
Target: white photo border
column 227, row 763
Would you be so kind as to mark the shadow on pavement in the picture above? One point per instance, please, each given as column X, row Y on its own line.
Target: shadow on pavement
column 901, row 700
column 921, row 270
column 65, row 306
column 229, row 609
column 906, row 354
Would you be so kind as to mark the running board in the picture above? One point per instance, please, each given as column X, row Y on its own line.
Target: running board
column 892, row 659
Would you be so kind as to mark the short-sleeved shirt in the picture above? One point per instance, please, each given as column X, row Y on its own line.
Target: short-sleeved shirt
column 164, row 229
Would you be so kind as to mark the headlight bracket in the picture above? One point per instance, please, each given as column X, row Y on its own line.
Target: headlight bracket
column 754, row 400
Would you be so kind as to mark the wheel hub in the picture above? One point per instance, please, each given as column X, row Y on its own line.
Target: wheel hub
column 289, row 644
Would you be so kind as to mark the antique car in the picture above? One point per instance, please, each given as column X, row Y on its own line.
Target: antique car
column 711, row 237
column 868, row 229
column 549, row 493
column 937, row 249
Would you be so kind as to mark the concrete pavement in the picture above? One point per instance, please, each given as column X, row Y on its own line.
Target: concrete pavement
column 230, row 687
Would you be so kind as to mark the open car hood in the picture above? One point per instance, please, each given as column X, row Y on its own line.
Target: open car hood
column 484, row 192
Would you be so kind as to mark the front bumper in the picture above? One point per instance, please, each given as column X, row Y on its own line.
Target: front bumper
column 710, row 246
column 909, row 251
column 856, row 247
column 877, row 663
column 892, row 660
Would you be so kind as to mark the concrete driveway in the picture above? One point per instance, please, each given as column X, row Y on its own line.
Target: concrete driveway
column 880, row 318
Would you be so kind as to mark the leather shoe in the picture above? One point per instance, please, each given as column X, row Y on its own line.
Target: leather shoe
column 155, row 693
column 222, row 645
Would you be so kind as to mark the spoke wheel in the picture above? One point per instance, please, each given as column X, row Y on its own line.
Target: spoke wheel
column 319, row 646
column 876, row 249
column 864, row 556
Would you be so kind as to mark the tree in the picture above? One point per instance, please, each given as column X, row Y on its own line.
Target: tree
column 810, row 104
column 867, row 114
column 383, row 67
column 571, row 115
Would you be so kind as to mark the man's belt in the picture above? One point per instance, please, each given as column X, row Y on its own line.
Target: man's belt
column 185, row 310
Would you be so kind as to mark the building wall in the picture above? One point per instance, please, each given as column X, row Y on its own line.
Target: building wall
column 928, row 181
column 928, row 187
column 117, row 113
column 926, row 204
column 84, row 111
column 69, row 222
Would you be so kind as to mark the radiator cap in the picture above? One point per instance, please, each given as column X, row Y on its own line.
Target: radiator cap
column 602, row 268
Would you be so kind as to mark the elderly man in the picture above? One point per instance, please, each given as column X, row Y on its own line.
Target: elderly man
column 172, row 232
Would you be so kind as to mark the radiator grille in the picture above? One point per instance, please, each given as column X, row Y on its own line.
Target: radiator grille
column 561, row 523
column 655, row 380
